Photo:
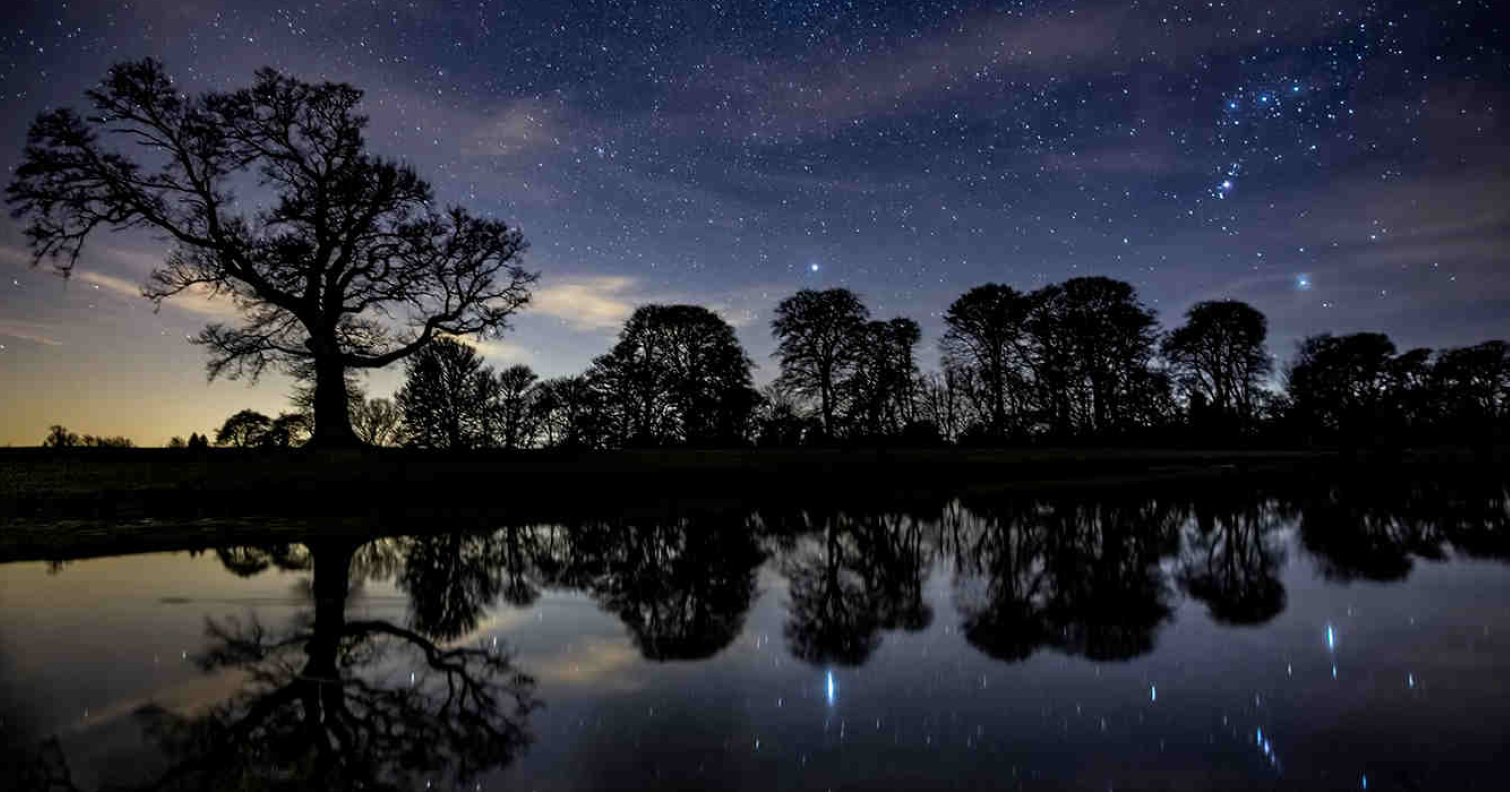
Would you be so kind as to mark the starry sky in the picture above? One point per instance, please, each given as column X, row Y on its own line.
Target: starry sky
column 1341, row 165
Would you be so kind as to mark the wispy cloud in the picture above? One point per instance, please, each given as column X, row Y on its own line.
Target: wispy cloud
column 35, row 332
column 592, row 303
column 518, row 127
column 196, row 300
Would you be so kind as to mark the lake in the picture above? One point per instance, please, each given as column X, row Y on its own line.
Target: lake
column 1239, row 634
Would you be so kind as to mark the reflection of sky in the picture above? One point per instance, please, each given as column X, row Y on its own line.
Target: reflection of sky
column 1225, row 703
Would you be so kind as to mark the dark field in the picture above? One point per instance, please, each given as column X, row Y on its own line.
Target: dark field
column 49, row 498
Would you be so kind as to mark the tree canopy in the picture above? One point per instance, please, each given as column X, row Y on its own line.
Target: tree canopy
column 352, row 265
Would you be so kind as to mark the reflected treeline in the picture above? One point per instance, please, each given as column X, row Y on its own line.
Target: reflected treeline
column 1079, row 576
column 851, row 575
column 1368, row 529
column 341, row 702
column 680, row 584
column 1231, row 555
column 328, row 701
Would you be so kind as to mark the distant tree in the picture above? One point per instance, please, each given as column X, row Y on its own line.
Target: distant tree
column 570, row 414
column 92, row 441
column 243, row 430
column 198, row 441
column 1093, row 342
column 677, row 375
column 378, row 422
column 1341, row 384
column 350, row 243
column 58, row 436
column 1472, row 388
column 820, row 336
column 779, row 419
column 880, row 388
column 1219, row 354
column 446, row 399
column 177, row 442
column 943, row 401
column 288, row 430
column 516, row 416
column 987, row 333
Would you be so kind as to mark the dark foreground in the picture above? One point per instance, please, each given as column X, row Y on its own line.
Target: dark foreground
column 1235, row 632
column 109, row 501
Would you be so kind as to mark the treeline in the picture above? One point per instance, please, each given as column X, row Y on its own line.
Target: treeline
column 1075, row 362
column 1084, row 361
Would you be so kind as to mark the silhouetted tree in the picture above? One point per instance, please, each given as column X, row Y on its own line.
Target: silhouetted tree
column 1341, row 385
column 1092, row 344
column 351, row 242
column 198, row 441
column 677, row 374
column 779, row 419
column 177, row 442
column 1219, row 359
column 819, row 338
column 570, row 414
column 1471, row 386
column 943, row 399
column 243, row 430
column 879, row 391
column 986, row 332
column 58, row 436
column 447, row 398
column 101, row 441
column 516, row 414
column 288, row 430
column 378, row 422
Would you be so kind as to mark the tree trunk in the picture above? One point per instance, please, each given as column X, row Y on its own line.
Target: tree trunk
column 332, row 409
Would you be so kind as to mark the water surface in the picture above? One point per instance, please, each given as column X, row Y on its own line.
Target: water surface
column 1303, row 635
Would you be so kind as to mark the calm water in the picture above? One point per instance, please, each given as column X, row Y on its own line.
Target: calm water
column 1312, row 635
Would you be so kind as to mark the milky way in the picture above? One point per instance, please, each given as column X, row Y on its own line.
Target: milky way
column 1340, row 165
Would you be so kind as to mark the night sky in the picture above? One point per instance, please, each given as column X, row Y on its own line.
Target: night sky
column 1343, row 166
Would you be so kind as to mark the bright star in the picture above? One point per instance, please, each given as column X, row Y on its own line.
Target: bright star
column 813, row 267
column 1303, row 282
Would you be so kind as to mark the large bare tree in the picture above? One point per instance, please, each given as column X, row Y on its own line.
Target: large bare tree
column 351, row 265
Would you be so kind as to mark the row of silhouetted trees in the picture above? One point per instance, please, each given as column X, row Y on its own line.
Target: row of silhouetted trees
column 1083, row 360
column 1079, row 361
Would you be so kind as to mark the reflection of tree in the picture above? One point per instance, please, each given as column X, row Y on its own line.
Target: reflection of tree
column 1476, row 518
column 1002, row 582
column 1372, row 529
column 326, row 704
column 1082, row 577
column 1361, row 530
column 247, row 561
column 682, row 586
column 858, row 576
column 1230, row 560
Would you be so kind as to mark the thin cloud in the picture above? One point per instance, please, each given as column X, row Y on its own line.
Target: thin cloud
column 28, row 331
column 519, row 127
column 196, row 300
column 594, row 303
